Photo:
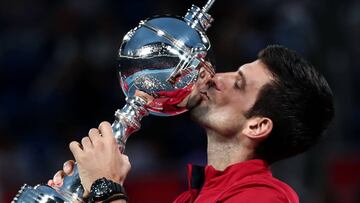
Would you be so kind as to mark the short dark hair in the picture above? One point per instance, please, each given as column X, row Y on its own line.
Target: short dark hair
column 298, row 100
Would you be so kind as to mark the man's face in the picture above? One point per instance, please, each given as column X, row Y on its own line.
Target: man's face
column 220, row 102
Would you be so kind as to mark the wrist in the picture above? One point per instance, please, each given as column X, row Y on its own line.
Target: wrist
column 117, row 198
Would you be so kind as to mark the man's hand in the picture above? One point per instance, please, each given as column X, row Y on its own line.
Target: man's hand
column 59, row 176
column 98, row 156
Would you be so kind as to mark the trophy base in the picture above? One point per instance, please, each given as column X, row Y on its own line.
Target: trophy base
column 44, row 194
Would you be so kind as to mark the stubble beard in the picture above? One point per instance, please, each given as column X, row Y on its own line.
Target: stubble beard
column 199, row 112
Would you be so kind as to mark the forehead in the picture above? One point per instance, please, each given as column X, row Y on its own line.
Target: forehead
column 255, row 73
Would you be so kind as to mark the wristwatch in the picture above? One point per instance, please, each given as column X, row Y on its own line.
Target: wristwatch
column 105, row 190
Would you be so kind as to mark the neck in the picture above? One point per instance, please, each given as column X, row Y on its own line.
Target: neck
column 223, row 151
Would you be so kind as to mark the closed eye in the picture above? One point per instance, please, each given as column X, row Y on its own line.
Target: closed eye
column 202, row 74
column 238, row 84
column 241, row 82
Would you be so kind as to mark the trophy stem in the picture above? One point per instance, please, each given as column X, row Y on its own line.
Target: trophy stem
column 127, row 120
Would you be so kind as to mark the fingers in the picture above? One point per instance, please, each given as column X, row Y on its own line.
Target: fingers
column 147, row 97
column 103, row 159
column 75, row 149
column 94, row 135
column 107, row 133
column 51, row 183
column 68, row 167
column 59, row 176
column 86, row 143
column 57, row 179
column 94, row 139
column 105, row 129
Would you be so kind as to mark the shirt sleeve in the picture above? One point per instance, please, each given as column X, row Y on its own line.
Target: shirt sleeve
column 255, row 195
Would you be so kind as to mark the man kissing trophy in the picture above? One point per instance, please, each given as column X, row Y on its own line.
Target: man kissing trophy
column 159, row 63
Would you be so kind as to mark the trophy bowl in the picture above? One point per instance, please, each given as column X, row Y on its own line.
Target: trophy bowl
column 162, row 57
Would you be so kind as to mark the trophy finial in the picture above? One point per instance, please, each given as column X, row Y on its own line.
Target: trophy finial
column 207, row 6
column 199, row 18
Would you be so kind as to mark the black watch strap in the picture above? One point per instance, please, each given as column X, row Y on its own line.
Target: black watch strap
column 118, row 189
column 116, row 197
column 104, row 190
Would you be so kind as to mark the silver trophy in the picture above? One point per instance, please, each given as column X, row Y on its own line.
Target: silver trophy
column 159, row 61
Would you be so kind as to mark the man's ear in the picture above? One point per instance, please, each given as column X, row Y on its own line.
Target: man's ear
column 258, row 128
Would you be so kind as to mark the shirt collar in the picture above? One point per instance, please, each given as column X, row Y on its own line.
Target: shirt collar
column 208, row 176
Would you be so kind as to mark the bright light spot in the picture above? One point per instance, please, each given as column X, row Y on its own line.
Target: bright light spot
column 160, row 33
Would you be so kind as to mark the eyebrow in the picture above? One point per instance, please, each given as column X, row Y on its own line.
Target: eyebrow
column 242, row 78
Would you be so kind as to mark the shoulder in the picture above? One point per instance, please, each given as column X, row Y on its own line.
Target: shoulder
column 265, row 190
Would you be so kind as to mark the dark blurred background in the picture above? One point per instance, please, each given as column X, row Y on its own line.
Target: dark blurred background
column 58, row 79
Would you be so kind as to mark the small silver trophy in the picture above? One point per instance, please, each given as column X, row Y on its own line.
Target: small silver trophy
column 159, row 59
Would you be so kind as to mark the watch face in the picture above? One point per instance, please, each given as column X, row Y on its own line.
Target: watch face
column 101, row 188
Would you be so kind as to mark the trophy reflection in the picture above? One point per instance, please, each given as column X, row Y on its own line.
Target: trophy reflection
column 159, row 63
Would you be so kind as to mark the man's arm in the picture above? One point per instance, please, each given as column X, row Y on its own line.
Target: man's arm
column 98, row 156
column 68, row 171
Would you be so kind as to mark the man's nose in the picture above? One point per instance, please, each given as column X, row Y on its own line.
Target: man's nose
column 219, row 76
column 224, row 76
column 219, row 80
